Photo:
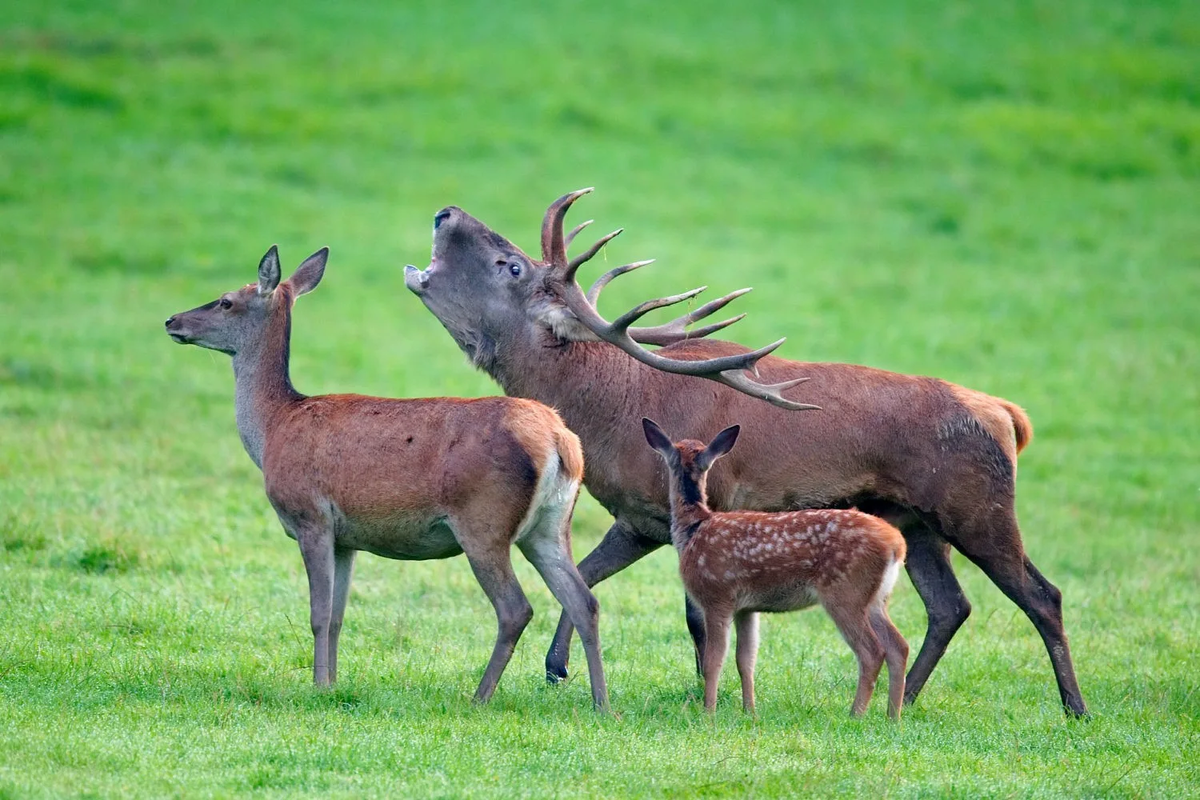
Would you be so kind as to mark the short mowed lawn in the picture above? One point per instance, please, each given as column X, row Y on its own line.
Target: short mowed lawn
column 1006, row 196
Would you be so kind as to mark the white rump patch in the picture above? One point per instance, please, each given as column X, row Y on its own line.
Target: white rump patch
column 890, row 575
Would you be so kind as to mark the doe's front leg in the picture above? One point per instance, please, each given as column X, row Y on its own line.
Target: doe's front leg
column 317, row 551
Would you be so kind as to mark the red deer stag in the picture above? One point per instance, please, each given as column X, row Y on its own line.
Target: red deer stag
column 404, row 479
column 935, row 459
column 738, row 563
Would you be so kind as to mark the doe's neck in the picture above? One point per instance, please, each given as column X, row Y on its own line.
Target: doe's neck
column 262, row 382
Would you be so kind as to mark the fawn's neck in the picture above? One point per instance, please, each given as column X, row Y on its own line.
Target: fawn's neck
column 263, row 386
column 689, row 508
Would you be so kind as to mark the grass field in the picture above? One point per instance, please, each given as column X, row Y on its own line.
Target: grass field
column 1007, row 198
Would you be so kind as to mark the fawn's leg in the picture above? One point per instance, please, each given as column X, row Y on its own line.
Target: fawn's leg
column 747, row 652
column 895, row 651
column 716, row 645
column 856, row 630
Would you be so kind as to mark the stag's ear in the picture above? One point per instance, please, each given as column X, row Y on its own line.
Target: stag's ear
column 268, row 271
column 718, row 447
column 656, row 438
column 308, row 275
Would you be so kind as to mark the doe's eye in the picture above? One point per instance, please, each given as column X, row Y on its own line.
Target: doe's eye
column 225, row 303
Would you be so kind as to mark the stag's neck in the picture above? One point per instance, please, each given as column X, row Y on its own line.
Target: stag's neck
column 689, row 508
column 263, row 385
column 593, row 385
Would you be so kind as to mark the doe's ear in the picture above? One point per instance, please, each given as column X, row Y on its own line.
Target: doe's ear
column 268, row 271
column 655, row 436
column 308, row 275
column 721, row 444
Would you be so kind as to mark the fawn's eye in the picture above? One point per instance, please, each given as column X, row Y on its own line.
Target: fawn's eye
column 226, row 303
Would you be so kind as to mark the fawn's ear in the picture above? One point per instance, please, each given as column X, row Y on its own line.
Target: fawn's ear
column 268, row 271
column 308, row 275
column 719, row 446
column 655, row 436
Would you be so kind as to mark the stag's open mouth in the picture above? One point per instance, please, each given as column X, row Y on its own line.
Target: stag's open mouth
column 417, row 280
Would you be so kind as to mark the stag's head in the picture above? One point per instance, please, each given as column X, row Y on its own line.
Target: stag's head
column 488, row 293
column 235, row 320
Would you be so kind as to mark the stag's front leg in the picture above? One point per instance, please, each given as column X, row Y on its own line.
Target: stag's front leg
column 619, row 548
column 316, row 546
column 695, row 624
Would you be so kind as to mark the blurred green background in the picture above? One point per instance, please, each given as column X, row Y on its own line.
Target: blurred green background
column 1006, row 196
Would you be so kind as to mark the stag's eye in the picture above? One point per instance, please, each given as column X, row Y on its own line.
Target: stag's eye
column 226, row 303
column 515, row 269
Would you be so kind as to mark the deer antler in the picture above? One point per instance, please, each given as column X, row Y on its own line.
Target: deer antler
column 728, row 370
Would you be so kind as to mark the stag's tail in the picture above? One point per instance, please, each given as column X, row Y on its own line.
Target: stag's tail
column 1022, row 427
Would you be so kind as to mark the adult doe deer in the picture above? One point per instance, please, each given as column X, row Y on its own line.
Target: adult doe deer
column 935, row 459
column 404, row 479
column 738, row 563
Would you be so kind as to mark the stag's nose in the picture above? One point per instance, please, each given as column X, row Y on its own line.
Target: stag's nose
column 440, row 217
column 170, row 320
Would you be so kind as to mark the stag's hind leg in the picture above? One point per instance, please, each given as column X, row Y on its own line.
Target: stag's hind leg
column 946, row 607
column 994, row 544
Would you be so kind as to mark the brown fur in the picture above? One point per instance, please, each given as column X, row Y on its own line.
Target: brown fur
column 736, row 564
column 403, row 479
column 936, row 459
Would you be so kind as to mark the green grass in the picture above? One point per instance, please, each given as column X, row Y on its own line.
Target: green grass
column 1007, row 198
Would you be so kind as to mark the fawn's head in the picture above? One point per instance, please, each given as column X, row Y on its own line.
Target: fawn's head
column 237, row 319
column 688, row 461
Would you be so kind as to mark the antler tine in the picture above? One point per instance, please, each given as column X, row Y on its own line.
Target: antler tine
column 554, row 248
column 631, row 316
column 586, row 256
column 575, row 231
column 676, row 330
column 768, row 392
column 729, row 370
column 593, row 294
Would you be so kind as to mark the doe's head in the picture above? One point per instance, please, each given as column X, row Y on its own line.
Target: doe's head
column 236, row 319
column 689, row 460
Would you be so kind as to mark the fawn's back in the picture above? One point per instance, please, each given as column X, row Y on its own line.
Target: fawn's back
column 785, row 561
